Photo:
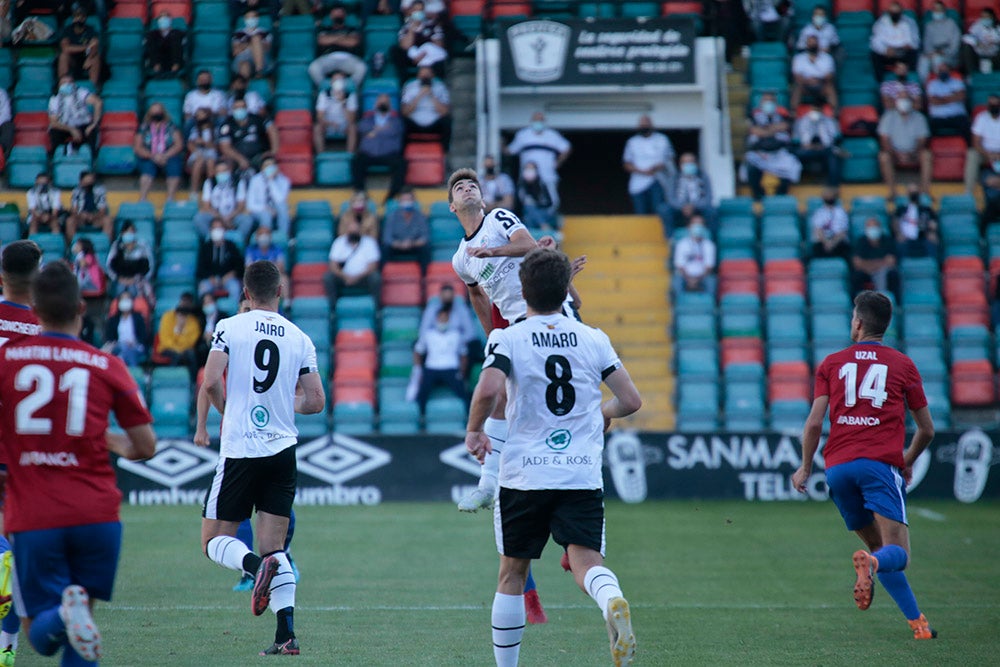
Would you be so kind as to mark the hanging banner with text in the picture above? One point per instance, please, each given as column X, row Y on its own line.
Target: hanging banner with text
column 356, row 470
column 609, row 52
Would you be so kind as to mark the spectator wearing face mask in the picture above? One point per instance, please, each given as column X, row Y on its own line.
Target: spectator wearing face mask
column 336, row 114
column 204, row 96
column 339, row 47
column 158, row 146
column 915, row 227
column 245, row 138
column 211, row 313
column 694, row 259
column 946, row 112
column 768, row 145
column 820, row 28
column 80, row 49
column 262, row 246
column 895, row 37
column 816, row 134
column 267, row 197
column 421, row 41
column 460, row 315
column 942, row 38
column 496, row 186
column 131, row 263
column 900, row 82
column 689, row 193
column 648, row 159
column 380, row 142
column 239, row 90
column 980, row 51
column 814, row 75
column 537, row 200
column 406, row 234
column 164, row 47
column 93, row 282
column 903, row 135
column 89, row 207
column 440, row 353
column 427, row 106
column 44, row 206
column 220, row 264
column 540, row 144
column 874, row 261
column 251, row 46
column 361, row 210
column 202, row 150
column 354, row 261
column 985, row 150
column 74, row 116
column 224, row 199
column 829, row 224
column 178, row 335
column 125, row 333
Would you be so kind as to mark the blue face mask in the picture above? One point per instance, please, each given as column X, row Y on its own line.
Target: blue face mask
column 240, row 114
column 208, row 309
column 537, row 125
column 128, row 237
column 408, row 205
column 222, row 177
column 689, row 169
column 996, row 166
column 418, row 16
column 67, row 89
column 270, row 170
column 768, row 107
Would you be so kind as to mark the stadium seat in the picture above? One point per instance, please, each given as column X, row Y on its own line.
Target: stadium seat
column 333, row 168
column 695, row 326
column 701, row 361
column 297, row 167
column 972, row 383
column 861, row 165
column 424, row 164
column 742, row 350
column 949, row 158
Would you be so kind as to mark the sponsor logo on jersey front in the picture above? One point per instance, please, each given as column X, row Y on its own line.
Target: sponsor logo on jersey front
column 58, row 459
column 851, row 420
column 260, row 416
column 559, row 440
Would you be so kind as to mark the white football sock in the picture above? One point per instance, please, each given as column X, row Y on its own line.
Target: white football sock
column 508, row 627
column 602, row 585
column 283, row 584
column 496, row 431
column 8, row 639
column 227, row 551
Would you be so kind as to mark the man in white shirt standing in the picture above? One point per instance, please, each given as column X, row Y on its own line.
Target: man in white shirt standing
column 267, row 197
column 813, row 72
column 542, row 145
column 441, row 353
column 894, row 37
column 648, row 159
column 354, row 259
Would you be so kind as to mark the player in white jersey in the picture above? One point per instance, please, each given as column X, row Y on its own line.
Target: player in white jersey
column 552, row 368
column 273, row 375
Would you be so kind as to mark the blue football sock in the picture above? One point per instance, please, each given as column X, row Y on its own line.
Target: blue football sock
column 898, row 587
column 11, row 623
column 71, row 658
column 891, row 558
column 48, row 632
column 4, row 544
column 245, row 533
column 529, row 583
column 291, row 531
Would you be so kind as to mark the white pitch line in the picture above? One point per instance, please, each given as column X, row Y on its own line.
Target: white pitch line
column 928, row 514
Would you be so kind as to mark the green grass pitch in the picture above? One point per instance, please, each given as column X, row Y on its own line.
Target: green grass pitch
column 710, row 583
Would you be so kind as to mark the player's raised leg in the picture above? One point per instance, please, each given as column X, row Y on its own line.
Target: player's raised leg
column 601, row 584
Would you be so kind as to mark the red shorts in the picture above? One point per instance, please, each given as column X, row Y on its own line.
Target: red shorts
column 498, row 321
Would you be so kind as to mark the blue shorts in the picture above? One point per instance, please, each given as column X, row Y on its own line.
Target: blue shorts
column 173, row 168
column 863, row 487
column 47, row 561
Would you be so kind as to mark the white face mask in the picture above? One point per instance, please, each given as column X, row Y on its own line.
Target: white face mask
column 819, row 21
column 904, row 105
column 125, row 305
column 163, row 23
column 815, row 115
column 873, row 233
column 217, row 234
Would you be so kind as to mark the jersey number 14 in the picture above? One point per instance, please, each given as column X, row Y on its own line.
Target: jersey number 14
column 872, row 387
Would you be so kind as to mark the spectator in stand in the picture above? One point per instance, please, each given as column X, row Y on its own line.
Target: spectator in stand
column 245, row 139
column 497, row 187
column 88, row 208
column 179, row 332
column 694, row 259
column 990, row 180
column 689, row 193
column 537, row 200
column 985, row 150
column 824, row 32
column 915, row 227
column 830, row 225
column 87, row 266
column 981, row 44
column 354, row 260
column 204, row 96
column 262, row 246
column 340, row 49
column 768, row 147
column 165, row 47
column 71, row 118
column 267, row 197
column 80, row 50
column 771, row 19
column 817, row 134
column 251, row 46
column 220, row 264
column 421, row 42
column 942, row 39
column 125, row 334
column 427, row 106
column 441, row 354
column 6, row 124
column 131, row 264
column 202, row 150
column 435, row 9
column 900, row 82
column 814, row 75
column 336, row 114
column 874, row 261
column 267, row 8
column 303, row 7
column 224, row 199
column 895, row 37
column 946, row 103
column 44, row 205
column 904, row 135
column 648, row 159
column 405, row 233
column 540, row 144
column 360, row 209
column 461, row 314
column 158, row 146
column 211, row 315
column 380, row 142
column 238, row 90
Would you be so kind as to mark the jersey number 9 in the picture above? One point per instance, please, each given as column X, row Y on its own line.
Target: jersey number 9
column 266, row 358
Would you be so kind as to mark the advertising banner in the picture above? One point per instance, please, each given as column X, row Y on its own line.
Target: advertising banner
column 350, row 470
column 609, row 52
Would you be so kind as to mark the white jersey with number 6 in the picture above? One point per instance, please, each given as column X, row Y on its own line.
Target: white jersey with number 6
column 498, row 276
column 555, row 367
column 267, row 354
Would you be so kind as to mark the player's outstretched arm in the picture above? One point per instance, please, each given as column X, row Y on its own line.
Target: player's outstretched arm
column 490, row 387
column 520, row 244
column 312, row 398
column 811, row 432
column 481, row 304
column 137, row 443
column 626, row 398
column 920, row 441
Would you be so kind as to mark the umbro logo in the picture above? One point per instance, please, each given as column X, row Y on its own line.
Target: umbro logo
column 338, row 458
column 176, row 463
column 458, row 457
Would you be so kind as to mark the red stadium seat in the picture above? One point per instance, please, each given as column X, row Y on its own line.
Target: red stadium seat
column 352, row 393
column 972, row 383
column 739, row 276
column 882, row 6
column 466, row 7
column 118, row 120
column 784, row 268
column 424, row 164
column 963, row 265
column 32, row 138
column 789, row 380
column 949, row 158
column 355, row 339
column 668, row 8
column 297, row 167
column 309, row 272
column 293, row 118
column 308, row 289
column 402, row 294
column 927, row 5
column 973, row 8
column 117, row 137
column 510, row 8
column 972, row 315
column 176, row 8
column 742, row 351
column 31, row 120
column 841, row 6
column 401, row 272
column 297, row 140
column 130, row 10
column 850, row 117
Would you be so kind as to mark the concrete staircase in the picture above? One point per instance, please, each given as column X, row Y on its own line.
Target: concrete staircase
column 739, row 97
column 462, row 85
column 625, row 290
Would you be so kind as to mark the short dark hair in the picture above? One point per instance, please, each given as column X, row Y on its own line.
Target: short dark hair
column 20, row 263
column 261, row 280
column 55, row 293
column 545, row 276
column 874, row 310
column 464, row 174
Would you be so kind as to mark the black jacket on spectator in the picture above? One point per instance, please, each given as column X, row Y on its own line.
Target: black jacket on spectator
column 218, row 260
column 138, row 321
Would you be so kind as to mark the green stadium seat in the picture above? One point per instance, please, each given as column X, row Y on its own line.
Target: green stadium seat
column 353, row 418
column 740, row 324
column 778, row 352
column 697, row 361
column 333, row 169
column 785, row 302
column 115, row 161
column 21, row 175
column 399, row 417
column 862, row 164
column 786, row 327
column 637, row 9
column 313, row 209
column 698, row 396
column 693, row 302
column 356, row 307
column 400, row 323
column 788, row 415
column 739, row 303
column 695, row 326
column 828, row 267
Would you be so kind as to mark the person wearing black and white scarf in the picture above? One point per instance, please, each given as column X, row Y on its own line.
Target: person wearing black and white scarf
column 817, row 134
column 689, row 193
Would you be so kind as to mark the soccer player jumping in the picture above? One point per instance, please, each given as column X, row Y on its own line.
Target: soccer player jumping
column 868, row 388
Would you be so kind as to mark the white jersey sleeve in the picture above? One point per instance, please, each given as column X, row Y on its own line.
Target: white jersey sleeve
column 267, row 355
column 555, row 367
